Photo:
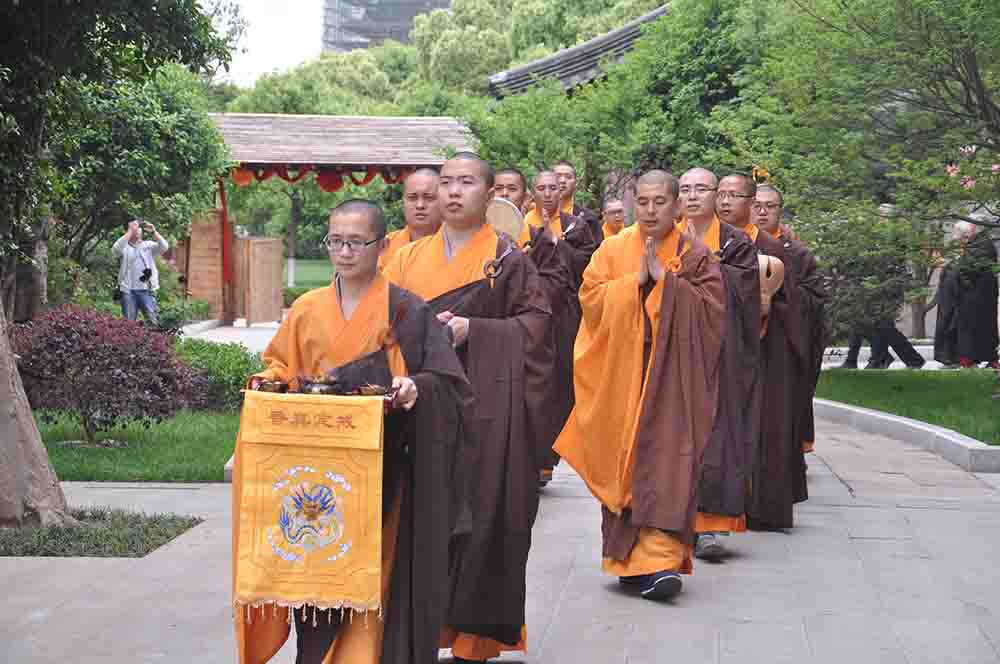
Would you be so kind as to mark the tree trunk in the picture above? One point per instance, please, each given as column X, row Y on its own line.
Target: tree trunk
column 32, row 277
column 291, row 240
column 30, row 494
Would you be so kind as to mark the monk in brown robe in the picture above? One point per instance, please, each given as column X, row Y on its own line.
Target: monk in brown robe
column 561, row 276
column 511, row 184
column 566, row 174
column 768, row 211
column 778, row 480
column 488, row 294
column 646, row 376
column 726, row 469
column 614, row 217
column 420, row 212
column 369, row 331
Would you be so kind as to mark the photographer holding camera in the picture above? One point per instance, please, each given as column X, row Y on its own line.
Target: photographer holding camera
column 138, row 279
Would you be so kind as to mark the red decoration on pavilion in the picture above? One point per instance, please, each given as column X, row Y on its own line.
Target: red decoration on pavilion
column 330, row 181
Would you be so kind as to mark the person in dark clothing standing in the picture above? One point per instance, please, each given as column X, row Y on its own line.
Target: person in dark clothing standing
column 966, row 331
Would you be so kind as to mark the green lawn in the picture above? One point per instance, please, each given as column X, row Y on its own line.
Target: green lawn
column 310, row 273
column 959, row 400
column 190, row 447
column 102, row 533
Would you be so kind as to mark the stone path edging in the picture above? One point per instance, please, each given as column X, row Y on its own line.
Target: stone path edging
column 202, row 326
column 961, row 450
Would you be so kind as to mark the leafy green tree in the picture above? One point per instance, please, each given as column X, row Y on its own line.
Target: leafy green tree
column 132, row 150
column 43, row 45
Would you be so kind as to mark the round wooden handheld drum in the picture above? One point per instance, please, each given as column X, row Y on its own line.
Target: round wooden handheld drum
column 772, row 275
column 504, row 216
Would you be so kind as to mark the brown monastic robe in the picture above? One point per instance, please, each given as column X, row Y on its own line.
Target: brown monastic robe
column 778, row 480
column 574, row 250
column 589, row 217
column 644, row 411
column 811, row 293
column 392, row 332
column 508, row 359
column 556, row 278
column 727, row 465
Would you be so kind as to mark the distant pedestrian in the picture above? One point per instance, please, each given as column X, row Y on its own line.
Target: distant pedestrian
column 966, row 330
column 138, row 278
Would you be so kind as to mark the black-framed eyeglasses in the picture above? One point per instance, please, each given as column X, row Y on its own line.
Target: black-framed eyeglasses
column 770, row 207
column 353, row 246
column 726, row 195
column 700, row 190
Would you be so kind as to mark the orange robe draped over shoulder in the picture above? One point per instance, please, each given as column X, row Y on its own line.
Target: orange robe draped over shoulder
column 611, row 378
column 396, row 240
column 314, row 339
column 423, row 267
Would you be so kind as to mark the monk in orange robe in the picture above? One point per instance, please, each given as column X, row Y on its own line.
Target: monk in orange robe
column 566, row 175
column 488, row 294
column 768, row 211
column 420, row 212
column 614, row 217
column 369, row 331
column 726, row 469
column 646, row 376
column 511, row 184
column 778, row 477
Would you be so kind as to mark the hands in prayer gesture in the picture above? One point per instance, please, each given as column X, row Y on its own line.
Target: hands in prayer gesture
column 651, row 267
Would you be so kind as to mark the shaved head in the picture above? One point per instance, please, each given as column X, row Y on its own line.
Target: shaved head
column 425, row 171
column 365, row 208
column 659, row 177
column 747, row 182
column 697, row 191
column 515, row 173
column 701, row 173
column 773, row 189
column 485, row 169
column 542, row 174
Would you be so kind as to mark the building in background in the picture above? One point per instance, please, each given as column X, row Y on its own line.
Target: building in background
column 350, row 24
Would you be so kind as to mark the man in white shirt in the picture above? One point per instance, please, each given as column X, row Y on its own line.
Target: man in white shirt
column 138, row 278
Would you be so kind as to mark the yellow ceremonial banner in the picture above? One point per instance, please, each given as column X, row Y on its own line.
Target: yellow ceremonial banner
column 309, row 477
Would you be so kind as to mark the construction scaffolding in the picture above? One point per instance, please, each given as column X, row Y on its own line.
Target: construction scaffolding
column 350, row 24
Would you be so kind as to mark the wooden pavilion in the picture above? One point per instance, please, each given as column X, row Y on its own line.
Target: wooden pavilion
column 241, row 277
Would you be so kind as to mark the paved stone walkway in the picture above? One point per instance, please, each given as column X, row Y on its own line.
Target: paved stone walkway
column 893, row 561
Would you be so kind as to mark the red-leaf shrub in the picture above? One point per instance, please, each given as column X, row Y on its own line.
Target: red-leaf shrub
column 105, row 368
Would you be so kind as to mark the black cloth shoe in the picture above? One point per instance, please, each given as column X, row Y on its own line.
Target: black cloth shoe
column 847, row 364
column 661, row 586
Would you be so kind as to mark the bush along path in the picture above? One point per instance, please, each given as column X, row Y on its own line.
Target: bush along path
column 116, row 401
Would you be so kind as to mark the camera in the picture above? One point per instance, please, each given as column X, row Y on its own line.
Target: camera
column 146, row 274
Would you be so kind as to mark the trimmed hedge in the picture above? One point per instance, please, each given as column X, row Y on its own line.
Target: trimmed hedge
column 227, row 367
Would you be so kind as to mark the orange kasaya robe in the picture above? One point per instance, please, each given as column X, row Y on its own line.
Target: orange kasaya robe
column 610, row 381
column 610, row 229
column 397, row 239
column 424, row 268
column 534, row 219
column 706, row 521
column 314, row 339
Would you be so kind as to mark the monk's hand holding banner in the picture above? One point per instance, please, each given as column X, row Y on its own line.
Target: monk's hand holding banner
column 308, row 478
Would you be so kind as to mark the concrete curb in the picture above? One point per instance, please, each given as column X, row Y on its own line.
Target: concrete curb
column 961, row 450
column 198, row 328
